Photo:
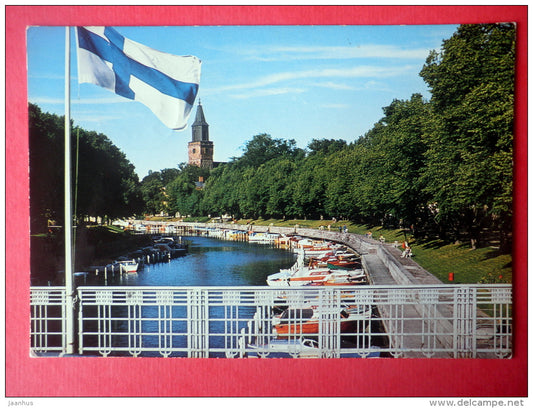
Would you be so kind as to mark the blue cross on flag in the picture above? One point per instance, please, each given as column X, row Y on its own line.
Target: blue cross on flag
column 165, row 83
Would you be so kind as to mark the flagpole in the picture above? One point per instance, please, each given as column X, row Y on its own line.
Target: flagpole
column 69, row 276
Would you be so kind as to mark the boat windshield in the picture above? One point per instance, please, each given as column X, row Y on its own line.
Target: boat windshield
column 294, row 314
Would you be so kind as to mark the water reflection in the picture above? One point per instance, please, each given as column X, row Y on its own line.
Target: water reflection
column 214, row 262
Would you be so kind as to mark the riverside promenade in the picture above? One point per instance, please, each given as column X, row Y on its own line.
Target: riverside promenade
column 383, row 261
column 385, row 267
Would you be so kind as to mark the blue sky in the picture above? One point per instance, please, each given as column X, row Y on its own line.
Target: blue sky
column 292, row 82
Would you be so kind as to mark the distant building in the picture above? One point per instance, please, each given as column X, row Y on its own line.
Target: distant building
column 200, row 183
column 200, row 148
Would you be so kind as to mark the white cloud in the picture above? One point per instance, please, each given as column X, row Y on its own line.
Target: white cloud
column 81, row 101
column 92, row 118
column 46, row 101
column 287, row 53
column 352, row 72
column 100, row 101
column 336, row 86
column 267, row 92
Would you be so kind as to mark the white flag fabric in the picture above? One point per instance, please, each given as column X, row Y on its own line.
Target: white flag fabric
column 165, row 83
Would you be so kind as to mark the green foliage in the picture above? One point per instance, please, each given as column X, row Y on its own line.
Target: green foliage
column 263, row 148
column 106, row 183
column 46, row 152
column 153, row 193
column 183, row 193
column 327, row 146
column 469, row 156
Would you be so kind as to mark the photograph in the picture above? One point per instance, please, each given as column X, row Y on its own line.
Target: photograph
column 362, row 158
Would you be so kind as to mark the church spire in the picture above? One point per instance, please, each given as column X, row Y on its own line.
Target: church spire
column 200, row 118
column 200, row 128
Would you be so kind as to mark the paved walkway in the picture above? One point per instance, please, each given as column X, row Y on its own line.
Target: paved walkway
column 420, row 274
column 405, row 336
column 378, row 273
column 413, row 270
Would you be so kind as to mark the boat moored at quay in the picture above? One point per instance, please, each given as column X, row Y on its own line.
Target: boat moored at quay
column 302, row 348
column 328, row 270
column 296, row 321
column 162, row 249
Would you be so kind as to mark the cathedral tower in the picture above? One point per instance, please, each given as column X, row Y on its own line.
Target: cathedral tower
column 200, row 148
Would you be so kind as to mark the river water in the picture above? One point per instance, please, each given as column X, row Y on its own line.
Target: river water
column 216, row 262
column 209, row 262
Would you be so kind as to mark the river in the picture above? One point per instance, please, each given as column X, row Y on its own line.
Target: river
column 215, row 262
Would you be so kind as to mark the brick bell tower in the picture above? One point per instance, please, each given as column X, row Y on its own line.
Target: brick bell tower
column 200, row 148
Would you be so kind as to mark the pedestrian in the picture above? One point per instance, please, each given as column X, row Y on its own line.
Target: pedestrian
column 407, row 253
column 382, row 239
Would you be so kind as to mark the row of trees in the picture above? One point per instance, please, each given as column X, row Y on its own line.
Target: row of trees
column 442, row 166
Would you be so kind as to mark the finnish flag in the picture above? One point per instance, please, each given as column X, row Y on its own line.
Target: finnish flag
column 165, row 83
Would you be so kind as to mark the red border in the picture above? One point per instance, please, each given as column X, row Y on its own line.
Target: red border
column 99, row 377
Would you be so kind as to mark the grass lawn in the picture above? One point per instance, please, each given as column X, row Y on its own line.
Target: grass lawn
column 482, row 265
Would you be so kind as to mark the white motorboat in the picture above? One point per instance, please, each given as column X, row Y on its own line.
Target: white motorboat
column 128, row 266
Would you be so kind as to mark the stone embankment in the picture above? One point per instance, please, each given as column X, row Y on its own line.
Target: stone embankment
column 382, row 261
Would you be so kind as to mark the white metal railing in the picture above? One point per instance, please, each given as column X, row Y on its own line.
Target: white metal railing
column 352, row 321
column 47, row 320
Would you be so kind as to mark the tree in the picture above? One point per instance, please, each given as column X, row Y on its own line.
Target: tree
column 107, row 183
column 104, row 182
column 470, row 156
column 46, row 176
column 220, row 191
column 182, row 193
column 398, row 163
column 153, row 193
column 327, row 146
column 263, row 148
column 308, row 186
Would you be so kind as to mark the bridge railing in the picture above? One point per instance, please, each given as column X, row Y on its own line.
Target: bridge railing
column 47, row 320
column 450, row 321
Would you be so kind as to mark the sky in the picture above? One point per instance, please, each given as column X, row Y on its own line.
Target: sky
column 291, row 82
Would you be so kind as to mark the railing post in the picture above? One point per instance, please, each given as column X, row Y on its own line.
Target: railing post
column 329, row 327
column 80, row 323
column 463, row 321
column 197, row 325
